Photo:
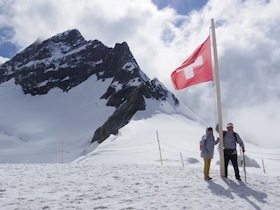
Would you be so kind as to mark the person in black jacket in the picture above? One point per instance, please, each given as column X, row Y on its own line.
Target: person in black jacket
column 230, row 152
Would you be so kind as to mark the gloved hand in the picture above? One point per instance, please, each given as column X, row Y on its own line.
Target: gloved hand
column 243, row 149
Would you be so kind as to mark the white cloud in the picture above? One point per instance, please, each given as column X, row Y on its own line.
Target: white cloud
column 258, row 123
column 247, row 36
column 3, row 59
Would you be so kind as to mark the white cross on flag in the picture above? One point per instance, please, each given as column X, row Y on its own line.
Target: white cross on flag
column 196, row 69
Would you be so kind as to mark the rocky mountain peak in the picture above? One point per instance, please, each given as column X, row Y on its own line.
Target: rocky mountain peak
column 71, row 37
column 67, row 60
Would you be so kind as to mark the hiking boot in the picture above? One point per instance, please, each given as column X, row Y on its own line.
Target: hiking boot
column 207, row 178
column 238, row 178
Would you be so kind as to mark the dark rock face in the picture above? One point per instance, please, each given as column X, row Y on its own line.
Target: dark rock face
column 121, row 116
column 62, row 61
column 67, row 59
column 133, row 103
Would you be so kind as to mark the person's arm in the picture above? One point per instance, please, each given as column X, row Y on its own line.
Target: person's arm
column 217, row 141
column 240, row 142
column 202, row 142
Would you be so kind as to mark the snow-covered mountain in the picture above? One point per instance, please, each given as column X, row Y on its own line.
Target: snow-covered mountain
column 66, row 93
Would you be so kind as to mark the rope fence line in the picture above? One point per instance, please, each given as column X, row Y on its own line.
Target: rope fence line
column 127, row 153
column 165, row 149
column 170, row 153
column 136, row 145
column 47, row 153
column 264, row 153
column 35, row 154
column 246, row 152
column 178, row 148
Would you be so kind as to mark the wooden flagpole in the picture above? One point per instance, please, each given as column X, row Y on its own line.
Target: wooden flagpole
column 219, row 101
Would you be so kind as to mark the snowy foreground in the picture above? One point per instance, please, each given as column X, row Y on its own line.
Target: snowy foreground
column 131, row 186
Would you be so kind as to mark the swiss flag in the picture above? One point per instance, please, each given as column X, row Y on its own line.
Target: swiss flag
column 196, row 69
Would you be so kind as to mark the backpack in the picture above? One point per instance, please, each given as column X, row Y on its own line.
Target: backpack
column 224, row 133
column 229, row 151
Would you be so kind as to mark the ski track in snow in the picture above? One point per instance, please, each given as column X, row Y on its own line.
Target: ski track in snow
column 130, row 186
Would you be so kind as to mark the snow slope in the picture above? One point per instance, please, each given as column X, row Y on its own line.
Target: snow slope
column 38, row 129
column 32, row 128
column 178, row 137
column 130, row 186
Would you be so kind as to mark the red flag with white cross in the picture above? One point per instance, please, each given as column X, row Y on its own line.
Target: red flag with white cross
column 196, row 69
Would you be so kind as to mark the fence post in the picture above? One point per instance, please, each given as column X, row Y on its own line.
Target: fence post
column 159, row 149
column 62, row 158
column 263, row 166
column 182, row 159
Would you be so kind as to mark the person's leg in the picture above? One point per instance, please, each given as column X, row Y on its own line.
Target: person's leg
column 235, row 166
column 206, row 167
column 227, row 157
column 207, row 163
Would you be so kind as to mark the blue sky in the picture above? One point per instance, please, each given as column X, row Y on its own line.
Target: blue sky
column 182, row 7
column 7, row 48
column 248, row 46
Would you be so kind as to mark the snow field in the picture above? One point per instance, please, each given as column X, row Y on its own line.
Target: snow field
column 130, row 186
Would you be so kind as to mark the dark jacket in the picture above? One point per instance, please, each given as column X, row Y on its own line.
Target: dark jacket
column 230, row 140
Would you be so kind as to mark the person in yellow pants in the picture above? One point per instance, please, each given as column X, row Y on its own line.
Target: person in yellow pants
column 207, row 144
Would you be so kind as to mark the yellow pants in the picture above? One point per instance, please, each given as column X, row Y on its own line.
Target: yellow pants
column 207, row 163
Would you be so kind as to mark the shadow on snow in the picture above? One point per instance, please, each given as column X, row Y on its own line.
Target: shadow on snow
column 242, row 190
